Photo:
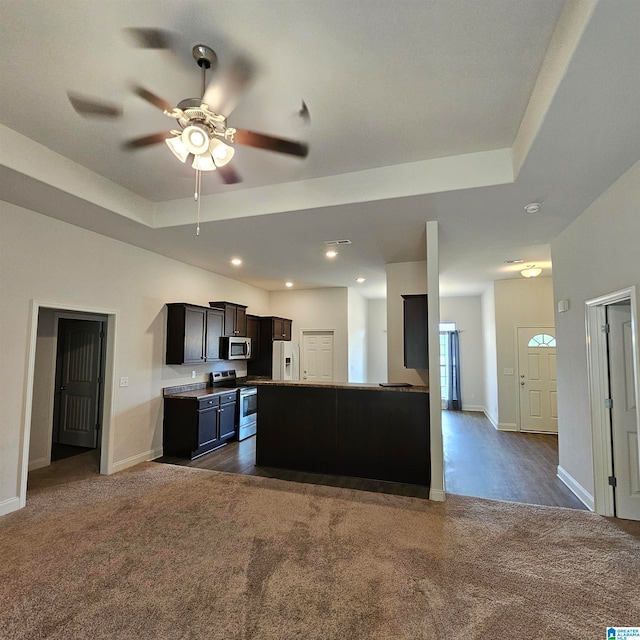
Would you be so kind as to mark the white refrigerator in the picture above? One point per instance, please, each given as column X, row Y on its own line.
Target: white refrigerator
column 286, row 360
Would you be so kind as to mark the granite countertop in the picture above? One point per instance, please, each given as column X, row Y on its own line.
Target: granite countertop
column 197, row 391
column 369, row 386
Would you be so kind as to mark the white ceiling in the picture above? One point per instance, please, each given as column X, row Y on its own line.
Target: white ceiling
column 400, row 93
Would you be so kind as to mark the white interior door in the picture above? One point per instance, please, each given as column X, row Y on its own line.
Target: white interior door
column 317, row 356
column 624, row 425
column 537, row 379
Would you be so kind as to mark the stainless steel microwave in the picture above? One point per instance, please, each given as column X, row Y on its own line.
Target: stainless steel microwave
column 235, row 348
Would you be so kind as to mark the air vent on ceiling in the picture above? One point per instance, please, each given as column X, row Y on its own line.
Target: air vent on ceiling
column 336, row 242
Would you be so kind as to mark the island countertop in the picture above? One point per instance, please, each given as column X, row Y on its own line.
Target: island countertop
column 369, row 386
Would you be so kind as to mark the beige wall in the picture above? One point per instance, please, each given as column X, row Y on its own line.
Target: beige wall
column 318, row 309
column 598, row 253
column 489, row 352
column 466, row 312
column 357, row 327
column 402, row 278
column 62, row 266
column 524, row 302
column 377, row 340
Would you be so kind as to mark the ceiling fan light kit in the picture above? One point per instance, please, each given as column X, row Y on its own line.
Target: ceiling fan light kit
column 203, row 132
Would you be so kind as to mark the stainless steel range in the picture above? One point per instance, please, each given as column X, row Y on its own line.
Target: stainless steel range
column 247, row 401
column 248, row 412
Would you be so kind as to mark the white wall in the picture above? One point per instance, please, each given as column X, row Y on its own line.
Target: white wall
column 377, row 340
column 320, row 309
column 357, row 328
column 489, row 352
column 62, row 266
column 598, row 253
column 402, row 278
column 466, row 312
column 524, row 302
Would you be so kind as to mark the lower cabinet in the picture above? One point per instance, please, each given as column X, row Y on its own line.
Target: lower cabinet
column 375, row 434
column 194, row 426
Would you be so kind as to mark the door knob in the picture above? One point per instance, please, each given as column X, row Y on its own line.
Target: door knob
column 522, row 384
column 522, row 375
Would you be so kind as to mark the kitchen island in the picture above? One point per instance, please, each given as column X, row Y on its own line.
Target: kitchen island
column 349, row 429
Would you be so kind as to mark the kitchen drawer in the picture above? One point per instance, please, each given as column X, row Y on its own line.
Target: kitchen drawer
column 230, row 396
column 208, row 402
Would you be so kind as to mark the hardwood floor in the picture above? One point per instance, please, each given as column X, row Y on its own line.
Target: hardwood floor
column 479, row 461
column 502, row 465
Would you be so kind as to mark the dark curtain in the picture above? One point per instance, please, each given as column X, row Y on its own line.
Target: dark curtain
column 454, row 401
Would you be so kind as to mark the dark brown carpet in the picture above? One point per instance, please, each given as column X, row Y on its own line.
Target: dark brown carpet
column 161, row 551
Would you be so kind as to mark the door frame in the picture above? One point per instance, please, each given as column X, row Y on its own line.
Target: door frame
column 598, row 378
column 517, row 375
column 108, row 407
column 304, row 332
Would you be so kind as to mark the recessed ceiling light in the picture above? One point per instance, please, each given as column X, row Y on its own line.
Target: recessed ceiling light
column 516, row 261
column 236, row 262
column 533, row 207
column 360, row 280
column 288, row 284
column 331, row 253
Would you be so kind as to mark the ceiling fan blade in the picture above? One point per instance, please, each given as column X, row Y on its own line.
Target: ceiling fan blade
column 146, row 38
column 155, row 100
column 145, row 141
column 304, row 113
column 229, row 174
column 226, row 88
column 89, row 107
column 262, row 141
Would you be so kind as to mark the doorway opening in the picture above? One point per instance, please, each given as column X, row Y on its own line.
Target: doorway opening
column 69, row 392
column 613, row 361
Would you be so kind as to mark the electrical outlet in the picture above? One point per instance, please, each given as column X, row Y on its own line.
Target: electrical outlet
column 193, row 375
column 124, row 382
column 473, row 395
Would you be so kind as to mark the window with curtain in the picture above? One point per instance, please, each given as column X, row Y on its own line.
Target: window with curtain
column 450, row 366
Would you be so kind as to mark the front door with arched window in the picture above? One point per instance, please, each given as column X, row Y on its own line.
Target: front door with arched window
column 537, row 379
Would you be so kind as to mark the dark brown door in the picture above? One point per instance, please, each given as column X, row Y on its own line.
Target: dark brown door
column 241, row 321
column 194, row 331
column 215, row 329
column 79, row 369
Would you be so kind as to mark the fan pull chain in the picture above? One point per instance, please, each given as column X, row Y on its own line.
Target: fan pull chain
column 196, row 197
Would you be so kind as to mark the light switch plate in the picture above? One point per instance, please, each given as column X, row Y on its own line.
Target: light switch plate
column 124, row 382
column 508, row 372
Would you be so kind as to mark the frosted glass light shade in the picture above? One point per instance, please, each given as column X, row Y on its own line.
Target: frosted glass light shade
column 221, row 152
column 204, row 162
column 195, row 139
column 177, row 148
column 531, row 272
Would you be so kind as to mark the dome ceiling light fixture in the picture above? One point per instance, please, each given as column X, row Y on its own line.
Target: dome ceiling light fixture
column 531, row 271
column 203, row 136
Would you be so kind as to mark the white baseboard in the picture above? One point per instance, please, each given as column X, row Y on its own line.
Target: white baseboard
column 7, row 506
column 39, row 463
column 491, row 419
column 473, row 407
column 580, row 492
column 438, row 495
column 152, row 454
column 507, row 426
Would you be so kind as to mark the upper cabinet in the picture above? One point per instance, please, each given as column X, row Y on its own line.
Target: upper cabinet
column 253, row 332
column 416, row 345
column 281, row 329
column 235, row 318
column 193, row 333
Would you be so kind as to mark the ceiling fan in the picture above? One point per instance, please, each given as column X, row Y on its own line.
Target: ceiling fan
column 203, row 134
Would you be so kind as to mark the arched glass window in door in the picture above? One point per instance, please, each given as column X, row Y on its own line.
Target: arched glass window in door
column 542, row 340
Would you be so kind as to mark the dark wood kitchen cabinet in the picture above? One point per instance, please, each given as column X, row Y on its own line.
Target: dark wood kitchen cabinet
column 193, row 333
column 194, row 426
column 253, row 332
column 416, row 343
column 271, row 328
column 235, row 318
